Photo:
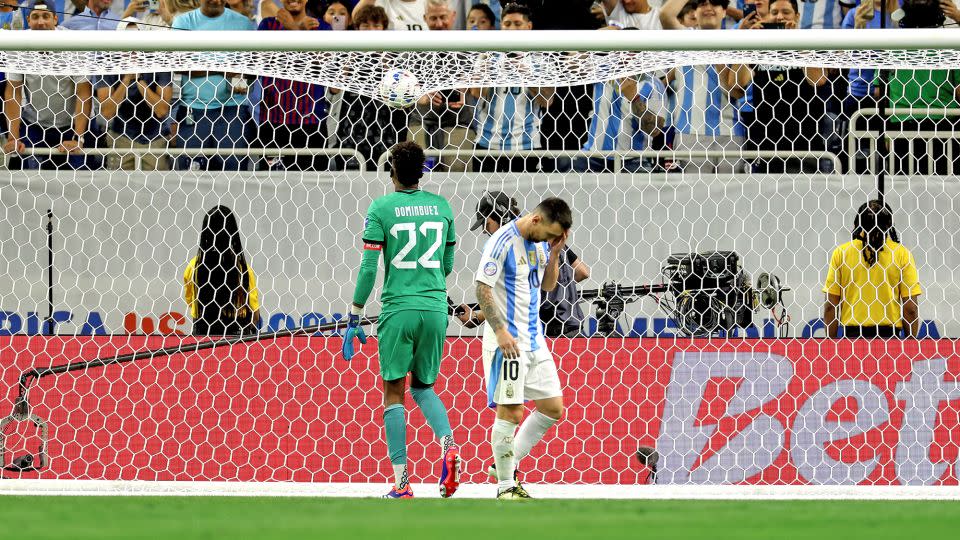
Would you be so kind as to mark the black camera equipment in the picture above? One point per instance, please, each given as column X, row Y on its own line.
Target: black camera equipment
column 704, row 293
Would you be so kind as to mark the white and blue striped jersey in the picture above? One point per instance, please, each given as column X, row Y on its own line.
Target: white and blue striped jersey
column 703, row 106
column 612, row 123
column 821, row 13
column 513, row 267
column 508, row 119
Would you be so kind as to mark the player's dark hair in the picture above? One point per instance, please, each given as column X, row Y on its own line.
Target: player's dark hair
column 487, row 12
column 222, row 275
column 514, row 7
column 556, row 210
column 872, row 225
column 408, row 162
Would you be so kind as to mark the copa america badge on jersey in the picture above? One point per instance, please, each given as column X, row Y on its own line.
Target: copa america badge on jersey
column 490, row 269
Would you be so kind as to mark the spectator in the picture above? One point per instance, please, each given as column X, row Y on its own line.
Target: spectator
column 488, row 11
column 137, row 104
column 365, row 124
column 46, row 111
column 243, row 7
column 560, row 309
column 219, row 286
column 784, row 101
column 11, row 17
column 861, row 92
column 179, row 7
column 156, row 19
column 924, row 89
column 627, row 114
column 442, row 119
column 824, row 13
column 438, row 15
column 339, row 18
column 401, row 14
column 215, row 115
column 316, row 10
column 508, row 119
column 632, row 14
column 292, row 113
column 337, row 15
column 688, row 14
column 872, row 280
column 703, row 116
column 481, row 17
column 370, row 17
column 97, row 16
column 742, row 107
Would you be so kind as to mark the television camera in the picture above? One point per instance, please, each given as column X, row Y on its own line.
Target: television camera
column 705, row 294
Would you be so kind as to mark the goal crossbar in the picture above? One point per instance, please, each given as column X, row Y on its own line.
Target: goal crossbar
column 863, row 41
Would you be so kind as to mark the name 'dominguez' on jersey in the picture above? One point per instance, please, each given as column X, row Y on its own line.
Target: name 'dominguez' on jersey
column 415, row 230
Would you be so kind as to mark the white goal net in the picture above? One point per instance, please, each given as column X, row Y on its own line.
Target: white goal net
column 727, row 206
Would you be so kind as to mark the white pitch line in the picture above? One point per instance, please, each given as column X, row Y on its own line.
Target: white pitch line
column 476, row 491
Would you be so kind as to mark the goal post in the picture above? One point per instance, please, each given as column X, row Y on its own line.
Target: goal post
column 698, row 321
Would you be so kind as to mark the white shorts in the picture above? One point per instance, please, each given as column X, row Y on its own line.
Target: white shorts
column 511, row 382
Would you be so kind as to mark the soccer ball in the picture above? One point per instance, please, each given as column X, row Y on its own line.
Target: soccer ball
column 400, row 88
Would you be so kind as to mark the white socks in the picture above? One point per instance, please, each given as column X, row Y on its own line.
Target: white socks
column 531, row 431
column 400, row 477
column 501, row 439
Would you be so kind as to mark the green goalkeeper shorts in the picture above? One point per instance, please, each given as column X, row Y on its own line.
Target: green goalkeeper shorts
column 411, row 341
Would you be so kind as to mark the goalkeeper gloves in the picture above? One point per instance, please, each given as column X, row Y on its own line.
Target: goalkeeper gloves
column 353, row 331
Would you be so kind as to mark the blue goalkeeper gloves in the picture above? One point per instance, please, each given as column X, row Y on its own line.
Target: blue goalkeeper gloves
column 353, row 331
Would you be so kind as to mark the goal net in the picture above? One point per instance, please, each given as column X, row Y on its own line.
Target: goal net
column 715, row 180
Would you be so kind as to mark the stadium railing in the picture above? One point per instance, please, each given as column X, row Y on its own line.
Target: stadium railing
column 349, row 154
column 619, row 156
column 855, row 136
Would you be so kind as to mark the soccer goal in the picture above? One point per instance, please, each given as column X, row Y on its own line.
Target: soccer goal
column 760, row 286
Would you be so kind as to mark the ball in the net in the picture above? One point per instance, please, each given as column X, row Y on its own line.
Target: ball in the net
column 400, row 88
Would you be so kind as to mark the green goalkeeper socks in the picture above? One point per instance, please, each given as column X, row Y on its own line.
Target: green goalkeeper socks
column 395, row 424
column 434, row 411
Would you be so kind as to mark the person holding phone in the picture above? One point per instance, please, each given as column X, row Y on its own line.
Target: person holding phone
column 337, row 15
column 441, row 119
column 783, row 99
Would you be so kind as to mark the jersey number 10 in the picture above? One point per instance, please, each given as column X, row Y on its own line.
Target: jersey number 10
column 427, row 228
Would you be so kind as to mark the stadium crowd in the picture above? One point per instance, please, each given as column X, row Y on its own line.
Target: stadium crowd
column 722, row 108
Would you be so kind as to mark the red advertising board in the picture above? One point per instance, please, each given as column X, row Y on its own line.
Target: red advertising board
column 751, row 411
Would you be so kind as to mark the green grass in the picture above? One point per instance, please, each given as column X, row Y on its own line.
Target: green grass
column 187, row 518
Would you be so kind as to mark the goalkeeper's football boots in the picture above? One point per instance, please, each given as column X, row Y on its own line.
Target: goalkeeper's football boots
column 515, row 493
column 450, row 468
column 405, row 493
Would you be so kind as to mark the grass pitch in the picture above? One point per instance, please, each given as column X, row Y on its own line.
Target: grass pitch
column 188, row 518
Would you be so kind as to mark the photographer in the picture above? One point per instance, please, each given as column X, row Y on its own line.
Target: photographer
column 560, row 309
column 785, row 107
column 923, row 89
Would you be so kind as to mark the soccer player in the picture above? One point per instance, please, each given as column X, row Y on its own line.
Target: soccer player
column 519, row 261
column 414, row 231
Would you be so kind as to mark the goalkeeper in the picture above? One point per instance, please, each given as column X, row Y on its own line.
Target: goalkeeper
column 414, row 231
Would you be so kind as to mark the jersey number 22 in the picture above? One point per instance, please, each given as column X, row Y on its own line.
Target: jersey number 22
column 427, row 229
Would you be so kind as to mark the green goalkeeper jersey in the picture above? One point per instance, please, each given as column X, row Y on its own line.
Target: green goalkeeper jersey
column 415, row 232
